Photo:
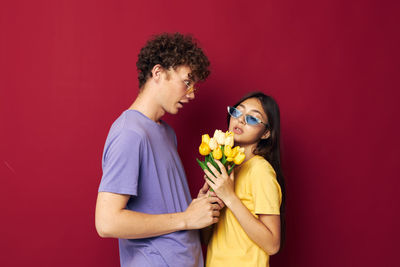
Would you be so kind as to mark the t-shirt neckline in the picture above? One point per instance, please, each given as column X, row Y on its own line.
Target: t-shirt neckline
column 147, row 118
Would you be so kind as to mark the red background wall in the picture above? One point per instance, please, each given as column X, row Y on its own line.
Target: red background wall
column 67, row 70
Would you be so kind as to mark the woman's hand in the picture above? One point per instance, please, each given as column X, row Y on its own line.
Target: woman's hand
column 222, row 184
column 205, row 191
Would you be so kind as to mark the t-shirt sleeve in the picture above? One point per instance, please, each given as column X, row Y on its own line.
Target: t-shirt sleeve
column 267, row 194
column 121, row 164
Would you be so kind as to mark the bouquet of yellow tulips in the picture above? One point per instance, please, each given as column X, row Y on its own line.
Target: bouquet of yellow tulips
column 220, row 147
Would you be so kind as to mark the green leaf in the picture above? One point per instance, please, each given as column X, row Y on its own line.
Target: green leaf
column 223, row 160
column 204, row 167
column 231, row 168
column 214, row 163
column 202, row 164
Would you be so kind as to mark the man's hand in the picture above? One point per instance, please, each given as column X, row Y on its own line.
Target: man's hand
column 202, row 212
column 204, row 190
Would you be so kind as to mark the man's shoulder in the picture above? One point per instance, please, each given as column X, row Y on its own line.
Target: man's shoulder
column 129, row 123
column 125, row 132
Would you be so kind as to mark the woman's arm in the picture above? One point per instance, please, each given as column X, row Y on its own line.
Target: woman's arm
column 264, row 231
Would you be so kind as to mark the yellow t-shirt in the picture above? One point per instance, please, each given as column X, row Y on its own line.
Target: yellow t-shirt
column 259, row 191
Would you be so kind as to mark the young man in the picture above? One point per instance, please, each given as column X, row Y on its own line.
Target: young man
column 143, row 198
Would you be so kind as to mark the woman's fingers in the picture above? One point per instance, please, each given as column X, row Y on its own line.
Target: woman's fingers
column 232, row 175
column 209, row 177
column 221, row 167
column 213, row 169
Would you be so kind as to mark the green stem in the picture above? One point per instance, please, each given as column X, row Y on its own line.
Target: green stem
column 204, row 166
column 211, row 160
column 231, row 168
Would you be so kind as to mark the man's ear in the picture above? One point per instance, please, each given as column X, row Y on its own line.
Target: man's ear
column 156, row 72
column 266, row 135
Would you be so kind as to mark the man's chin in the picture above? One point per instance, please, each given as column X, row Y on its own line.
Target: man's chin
column 174, row 111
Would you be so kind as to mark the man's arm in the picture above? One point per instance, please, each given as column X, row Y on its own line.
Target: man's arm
column 113, row 220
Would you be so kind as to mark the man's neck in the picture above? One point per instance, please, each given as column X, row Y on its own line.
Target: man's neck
column 146, row 104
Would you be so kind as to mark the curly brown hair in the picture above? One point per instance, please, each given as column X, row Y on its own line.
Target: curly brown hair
column 172, row 50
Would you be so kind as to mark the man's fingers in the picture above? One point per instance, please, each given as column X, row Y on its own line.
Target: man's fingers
column 213, row 199
column 216, row 206
column 205, row 187
column 211, row 193
column 215, row 213
column 221, row 204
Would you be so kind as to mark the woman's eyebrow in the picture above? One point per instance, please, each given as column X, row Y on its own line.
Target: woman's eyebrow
column 256, row 111
column 252, row 110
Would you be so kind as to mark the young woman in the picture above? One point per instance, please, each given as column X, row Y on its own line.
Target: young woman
column 249, row 228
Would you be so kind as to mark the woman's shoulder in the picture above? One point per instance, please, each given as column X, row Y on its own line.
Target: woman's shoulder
column 260, row 164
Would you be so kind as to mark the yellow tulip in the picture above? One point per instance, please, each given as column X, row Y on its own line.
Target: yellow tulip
column 213, row 143
column 229, row 138
column 219, row 136
column 205, row 138
column 227, row 150
column 235, row 151
column 230, row 153
column 204, row 149
column 239, row 158
column 217, row 153
column 228, row 133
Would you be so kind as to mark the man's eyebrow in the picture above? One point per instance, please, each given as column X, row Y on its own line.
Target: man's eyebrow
column 191, row 77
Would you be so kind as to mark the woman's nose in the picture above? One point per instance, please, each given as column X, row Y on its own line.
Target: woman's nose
column 242, row 119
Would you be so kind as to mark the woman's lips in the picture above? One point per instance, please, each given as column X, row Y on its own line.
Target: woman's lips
column 237, row 130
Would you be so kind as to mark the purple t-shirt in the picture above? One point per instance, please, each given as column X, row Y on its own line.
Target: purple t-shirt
column 140, row 159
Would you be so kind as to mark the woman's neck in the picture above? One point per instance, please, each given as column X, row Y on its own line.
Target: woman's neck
column 248, row 150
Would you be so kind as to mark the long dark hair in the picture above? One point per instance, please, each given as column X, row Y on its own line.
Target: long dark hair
column 270, row 148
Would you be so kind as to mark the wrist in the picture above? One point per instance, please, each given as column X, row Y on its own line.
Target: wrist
column 183, row 221
column 231, row 200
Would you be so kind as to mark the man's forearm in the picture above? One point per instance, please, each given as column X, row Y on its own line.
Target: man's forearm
column 131, row 225
column 114, row 220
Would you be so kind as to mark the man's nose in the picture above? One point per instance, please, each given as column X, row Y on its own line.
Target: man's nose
column 190, row 96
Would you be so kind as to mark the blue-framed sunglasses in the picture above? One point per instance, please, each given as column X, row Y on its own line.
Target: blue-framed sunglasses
column 250, row 120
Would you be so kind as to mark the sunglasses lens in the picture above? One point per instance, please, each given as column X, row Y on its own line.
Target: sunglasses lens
column 252, row 120
column 234, row 112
